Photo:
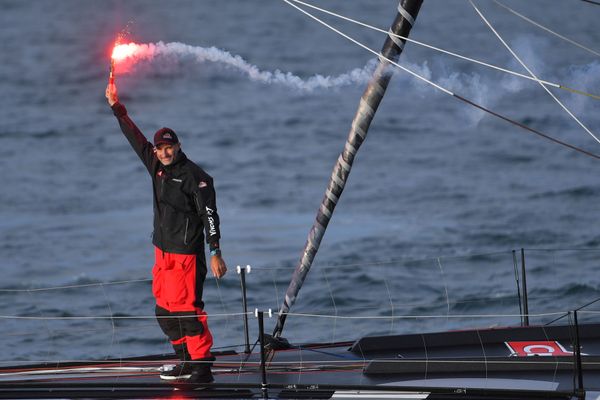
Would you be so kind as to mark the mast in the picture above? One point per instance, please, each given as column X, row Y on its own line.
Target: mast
column 369, row 102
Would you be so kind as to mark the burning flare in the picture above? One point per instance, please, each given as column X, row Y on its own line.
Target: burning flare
column 120, row 53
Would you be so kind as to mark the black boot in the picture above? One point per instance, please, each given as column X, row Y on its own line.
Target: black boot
column 201, row 373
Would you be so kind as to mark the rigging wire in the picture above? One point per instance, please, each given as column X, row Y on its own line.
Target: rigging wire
column 390, row 262
column 548, row 29
column 592, row 2
column 380, row 56
column 448, row 92
column 577, row 309
column 445, row 288
column 450, row 53
column 485, row 20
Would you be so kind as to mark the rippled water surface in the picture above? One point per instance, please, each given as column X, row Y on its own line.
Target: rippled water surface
column 435, row 183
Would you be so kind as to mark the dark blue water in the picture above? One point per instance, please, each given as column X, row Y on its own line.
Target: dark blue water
column 435, row 183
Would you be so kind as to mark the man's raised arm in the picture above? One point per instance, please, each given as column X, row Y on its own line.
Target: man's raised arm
column 136, row 138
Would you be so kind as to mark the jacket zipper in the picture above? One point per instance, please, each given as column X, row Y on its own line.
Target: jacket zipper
column 187, row 222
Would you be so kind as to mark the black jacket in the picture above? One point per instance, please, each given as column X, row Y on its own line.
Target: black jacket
column 184, row 196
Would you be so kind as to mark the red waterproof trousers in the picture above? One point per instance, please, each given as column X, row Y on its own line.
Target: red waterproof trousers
column 177, row 281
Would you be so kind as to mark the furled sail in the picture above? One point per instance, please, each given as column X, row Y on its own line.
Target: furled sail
column 369, row 102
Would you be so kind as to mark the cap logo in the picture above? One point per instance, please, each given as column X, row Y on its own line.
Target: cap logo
column 167, row 136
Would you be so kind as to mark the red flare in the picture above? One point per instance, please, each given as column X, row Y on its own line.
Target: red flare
column 122, row 51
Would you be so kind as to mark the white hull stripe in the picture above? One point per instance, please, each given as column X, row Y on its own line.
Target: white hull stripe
column 373, row 394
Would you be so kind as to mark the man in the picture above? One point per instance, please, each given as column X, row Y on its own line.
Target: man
column 184, row 206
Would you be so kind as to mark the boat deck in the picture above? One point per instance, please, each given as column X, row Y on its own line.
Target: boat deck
column 511, row 363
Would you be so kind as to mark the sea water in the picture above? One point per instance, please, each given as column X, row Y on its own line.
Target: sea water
column 423, row 236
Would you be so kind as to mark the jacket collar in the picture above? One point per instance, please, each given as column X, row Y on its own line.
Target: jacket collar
column 180, row 158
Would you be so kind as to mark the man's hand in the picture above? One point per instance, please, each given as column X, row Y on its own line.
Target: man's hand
column 111, row 94
column 217, row 265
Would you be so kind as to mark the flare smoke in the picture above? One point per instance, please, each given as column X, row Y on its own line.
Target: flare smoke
column 134, row 53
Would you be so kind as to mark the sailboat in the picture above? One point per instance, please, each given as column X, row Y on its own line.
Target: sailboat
column 514, row 362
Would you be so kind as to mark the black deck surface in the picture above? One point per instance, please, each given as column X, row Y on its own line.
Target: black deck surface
column 492, row 363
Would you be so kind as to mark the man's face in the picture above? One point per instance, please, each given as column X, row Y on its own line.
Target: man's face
column 166, row 152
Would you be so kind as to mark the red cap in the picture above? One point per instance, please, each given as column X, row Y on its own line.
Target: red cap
column 165, row 136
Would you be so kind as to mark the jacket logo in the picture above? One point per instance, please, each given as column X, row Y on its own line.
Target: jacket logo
column 212, row 230
column 177, row 180
column 202, row 184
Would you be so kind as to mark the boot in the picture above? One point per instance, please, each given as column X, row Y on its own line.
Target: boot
column 201, row 373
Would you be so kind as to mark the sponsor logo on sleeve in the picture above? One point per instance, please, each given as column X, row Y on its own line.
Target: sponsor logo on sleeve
column 212, row 230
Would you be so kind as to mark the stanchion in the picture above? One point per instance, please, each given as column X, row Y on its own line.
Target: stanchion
column 524, row 290
column 242, row 272
column 263, row 366
column 579, row 391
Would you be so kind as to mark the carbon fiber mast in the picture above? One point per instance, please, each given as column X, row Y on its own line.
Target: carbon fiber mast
column 369, row 102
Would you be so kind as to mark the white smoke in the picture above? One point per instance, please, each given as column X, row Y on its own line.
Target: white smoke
column 584, row 77
column 488, row 88
column 483, row 88
column 150, row 51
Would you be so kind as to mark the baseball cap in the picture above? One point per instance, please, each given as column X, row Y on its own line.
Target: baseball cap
column 165, row 136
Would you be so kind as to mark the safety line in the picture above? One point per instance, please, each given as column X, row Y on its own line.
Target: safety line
column 108, row 317
column 390, row 262
column 423, row 316
column 73, row 286
column 340, row 266
column 592, row 2
column 485, row 20
column 450, row 53
column 104, row 317
column 548, row 29
column 438, row 86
